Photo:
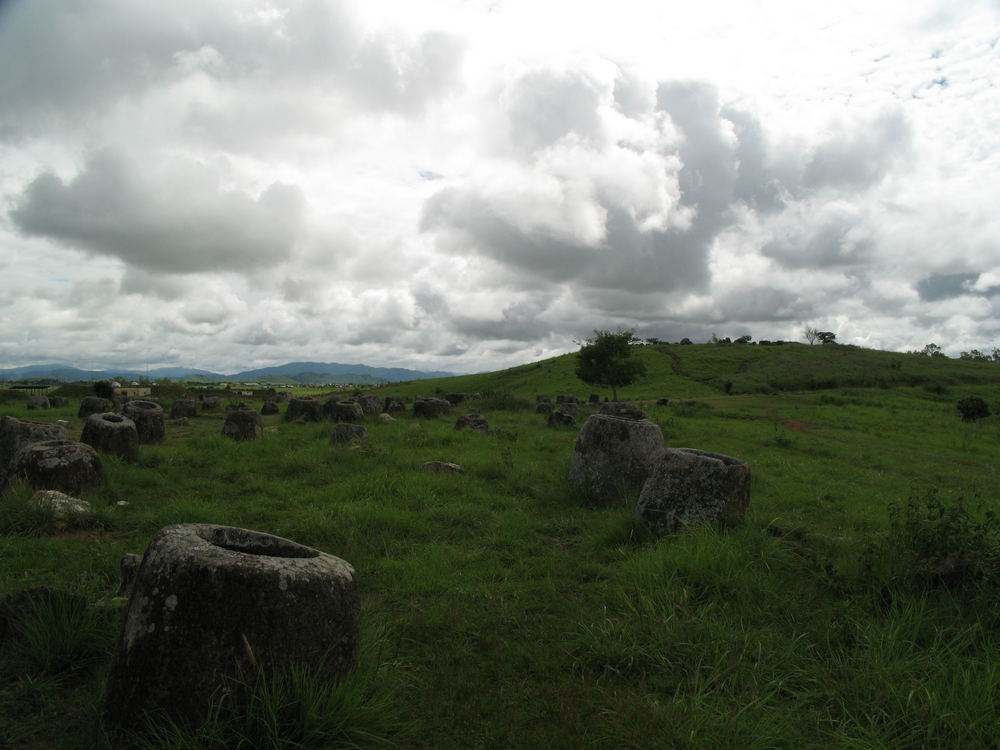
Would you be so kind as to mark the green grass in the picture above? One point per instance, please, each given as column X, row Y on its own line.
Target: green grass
column 508, row 614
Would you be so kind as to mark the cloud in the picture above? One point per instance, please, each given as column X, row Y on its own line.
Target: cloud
column 173, row 216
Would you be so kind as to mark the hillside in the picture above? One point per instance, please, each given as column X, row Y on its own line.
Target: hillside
column 682, row 371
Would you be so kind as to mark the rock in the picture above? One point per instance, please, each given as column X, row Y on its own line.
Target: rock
column 689, row 487
column 393, row 406
column 569, row 407
column 614, row 455
column 343, row 411
column 306, row 409
column 430, row 408
column 58, row 402
column 456, row 398
column 62, row 465
column 559, row 418
column 269, row 408
column 94, row 405
column 112, row 433
column 370, row 405
column 543, row 407
column 148, row 418
column 210, row 602
column 385, row 418
column 283, row 398
column 210, row 403
column 17, row 433
column 623, row 410
column 475, row 422
column 129, row 567
column 348, row 433
column 184, row 407
column 243, row 424
column 38, row 402
column 442, row 467
column 62, row 506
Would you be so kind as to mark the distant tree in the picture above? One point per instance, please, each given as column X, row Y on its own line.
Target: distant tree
column 686, row 340
column 607, row 360
column 972, row 408
column 974, row 355
column 826, row 337
column 811, row 334
column 103, row 389
column 932, row 350
column 746, row 339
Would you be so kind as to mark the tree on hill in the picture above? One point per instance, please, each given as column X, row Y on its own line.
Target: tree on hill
column 810, row 333
column 826, row 337
column 932, row 350
column 607, row 360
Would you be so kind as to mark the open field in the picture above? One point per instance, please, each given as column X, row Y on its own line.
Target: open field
column 507, row 613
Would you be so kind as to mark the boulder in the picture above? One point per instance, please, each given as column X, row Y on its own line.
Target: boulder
column 385, row 418
column 559, row 418
column 543, row 407
column 442, row 467
column 475, row 422
column 430, row 408
column 306, row 409
column 393, row 406
column 183, row 407
column 211, row 603
column 243, row 424
column 17, row 433
column 269, row 408
column 349, row 433
column 112, row 433
column 688, row 487
column 614, row 454
column 148, row 418
column 343, row 411
column 62, row 465
column 36, row 401
column 370, row 405
column 94, row 405
column 63, row 507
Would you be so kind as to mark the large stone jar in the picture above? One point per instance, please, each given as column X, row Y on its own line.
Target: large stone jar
column 243, row 423
column 112, row 433
column 148, row 418
column 689, row 487
column 614, row 454
column 306, row 409
column 17, row 433
column 94, row 405
column 216, row 602
column 183, row 408
column 62, row 465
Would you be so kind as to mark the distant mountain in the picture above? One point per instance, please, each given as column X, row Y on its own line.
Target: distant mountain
column 293, row 372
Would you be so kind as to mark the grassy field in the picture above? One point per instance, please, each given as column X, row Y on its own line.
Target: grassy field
column 500, row 611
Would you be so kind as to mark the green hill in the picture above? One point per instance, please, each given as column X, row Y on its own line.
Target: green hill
column 684, row 371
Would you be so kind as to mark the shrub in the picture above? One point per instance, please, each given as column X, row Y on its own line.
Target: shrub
column 972, row 408
column 103, row 389
column 504, row 401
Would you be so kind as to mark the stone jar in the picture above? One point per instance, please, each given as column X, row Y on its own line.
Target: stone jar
column 689, row 487
column 243, row 424
column 211, row 603
column 148, row 418
column 62, row 465
column 183, row 407
column 112, row 433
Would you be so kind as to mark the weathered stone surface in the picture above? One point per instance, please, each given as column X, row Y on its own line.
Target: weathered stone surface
column 112, row 433
column 129, row 567
column 183, row 407
column 393, row 406
column 269, row 408
column 559, row 418
column 430, row 408
column 36, row 401
column 243, row 424
column 17, row 433
column 370, row 404
column 543, row 407
column 385, row 418
column 344, row 411
column 442, row 467
column 475, row 422
column 209, row 601
column 613, row 456
column 62, row 506
column 58, row 402
column 456, row 398
column 62, row 465
column 210, row 403
column 148, row 418
column 347, row 433
column 94, row 405
column 306, row 409
column 623, row 410
column 689, row 487
column 283, row 398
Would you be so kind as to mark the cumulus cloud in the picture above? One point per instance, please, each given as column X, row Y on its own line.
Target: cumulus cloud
column 174, row 216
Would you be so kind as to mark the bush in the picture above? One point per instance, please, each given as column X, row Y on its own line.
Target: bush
column 504, row 401
column 972, row 408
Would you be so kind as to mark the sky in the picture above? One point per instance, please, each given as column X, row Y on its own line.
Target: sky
column 467, row 186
